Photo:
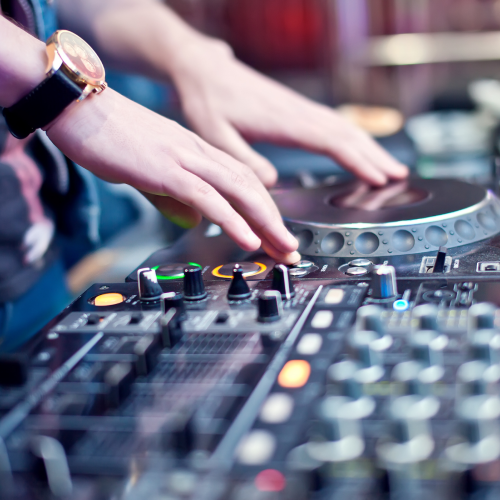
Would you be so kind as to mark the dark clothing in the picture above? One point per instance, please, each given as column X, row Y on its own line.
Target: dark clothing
column 40, row 190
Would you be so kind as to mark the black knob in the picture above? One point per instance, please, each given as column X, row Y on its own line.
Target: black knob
column 174, row 300
column 269, row 307
column 149, row 289
column 238, row 289
column 194, row 288
column 282, row 282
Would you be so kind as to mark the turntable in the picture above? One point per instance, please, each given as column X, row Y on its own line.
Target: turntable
column 348, row 219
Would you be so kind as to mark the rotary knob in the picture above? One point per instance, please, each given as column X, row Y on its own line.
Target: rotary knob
column 410, row 443
column 269, row 305
column 282, row 282
column 369, row 318
column 481, row 317
column 149, row 289
column 479, row 438
column 238, row 289
column 384, row 285
column 485, row 346
column 427, row 347
column 338, row 437
column 425, row 317
column 173, row 300
column 476, row 378
column 194, row 288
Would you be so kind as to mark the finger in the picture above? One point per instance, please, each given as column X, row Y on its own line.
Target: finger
column 383, row 161
column 200, row 195
column 241, row 187
column 174, row 210
column 282, row 258
column 226, row 138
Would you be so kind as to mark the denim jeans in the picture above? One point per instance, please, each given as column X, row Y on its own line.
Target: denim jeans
column 22, row 318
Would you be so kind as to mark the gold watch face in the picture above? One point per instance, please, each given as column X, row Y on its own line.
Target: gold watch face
column 80, row 58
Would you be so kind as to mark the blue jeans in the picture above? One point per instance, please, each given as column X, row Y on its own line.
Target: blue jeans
column 22, row 318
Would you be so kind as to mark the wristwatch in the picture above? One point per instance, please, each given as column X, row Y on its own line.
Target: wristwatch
column 74, row 71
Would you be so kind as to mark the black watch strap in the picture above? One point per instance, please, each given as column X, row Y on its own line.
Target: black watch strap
column 42, row 105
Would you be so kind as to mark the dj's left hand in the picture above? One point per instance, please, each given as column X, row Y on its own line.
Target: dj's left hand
column 227, row 103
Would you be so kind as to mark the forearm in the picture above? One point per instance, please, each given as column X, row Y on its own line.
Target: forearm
column 22, row 63
column 144, row 36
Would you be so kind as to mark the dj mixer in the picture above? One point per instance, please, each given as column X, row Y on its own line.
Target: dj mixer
column 368, row 370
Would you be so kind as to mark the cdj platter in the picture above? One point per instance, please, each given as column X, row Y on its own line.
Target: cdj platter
column 350, row 219
column 369, row 370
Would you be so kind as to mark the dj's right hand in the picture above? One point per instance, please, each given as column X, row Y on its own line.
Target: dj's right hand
column 181, row 174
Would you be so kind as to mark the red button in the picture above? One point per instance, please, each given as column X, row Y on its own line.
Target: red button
column 270, row 480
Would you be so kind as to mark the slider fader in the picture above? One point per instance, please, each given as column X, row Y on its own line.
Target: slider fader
column 212, row 374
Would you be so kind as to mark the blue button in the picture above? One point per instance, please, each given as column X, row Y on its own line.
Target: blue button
column 401, row 305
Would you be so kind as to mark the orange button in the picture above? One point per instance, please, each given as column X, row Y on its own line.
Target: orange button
column 294, row 374
column 108, row 299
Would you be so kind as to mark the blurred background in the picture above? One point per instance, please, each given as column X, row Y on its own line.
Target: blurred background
column 422, row 76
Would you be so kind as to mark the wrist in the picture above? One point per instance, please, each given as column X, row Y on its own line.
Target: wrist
column 23, row 61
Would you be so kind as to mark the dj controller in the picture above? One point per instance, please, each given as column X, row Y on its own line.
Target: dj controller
column 368, row 370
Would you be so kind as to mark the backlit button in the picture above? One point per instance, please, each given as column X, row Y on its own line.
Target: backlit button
column 334, row 296
column 277, row 408
column 322, row 319
column 270, row 480
column 256, row 448
column 361, row 263
column 310, row 344
column 303, row 264
column 294, row 374
column 298, row 273
column 108, row 299
column 356, row 271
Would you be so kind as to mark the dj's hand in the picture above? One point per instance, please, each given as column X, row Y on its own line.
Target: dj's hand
column 181, row 174
column 228, row 103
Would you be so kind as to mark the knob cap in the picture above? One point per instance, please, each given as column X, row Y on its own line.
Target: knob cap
column 485, row 346
column 476, row 378
column 369, row 318
column 427, row 348
column 384, row 285
column 174, row 300
column 425, row 317
column 194, row 288
column 149, row 289
column 282, row 282
column 481, row 317
column 338, row 436
column 478, row 431
column 238, row 289
column 411, row 441
column 269, row 307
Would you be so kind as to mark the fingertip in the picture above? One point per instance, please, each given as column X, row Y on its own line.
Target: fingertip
column 291, row 258
column 251, row 244
column 401, row 172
